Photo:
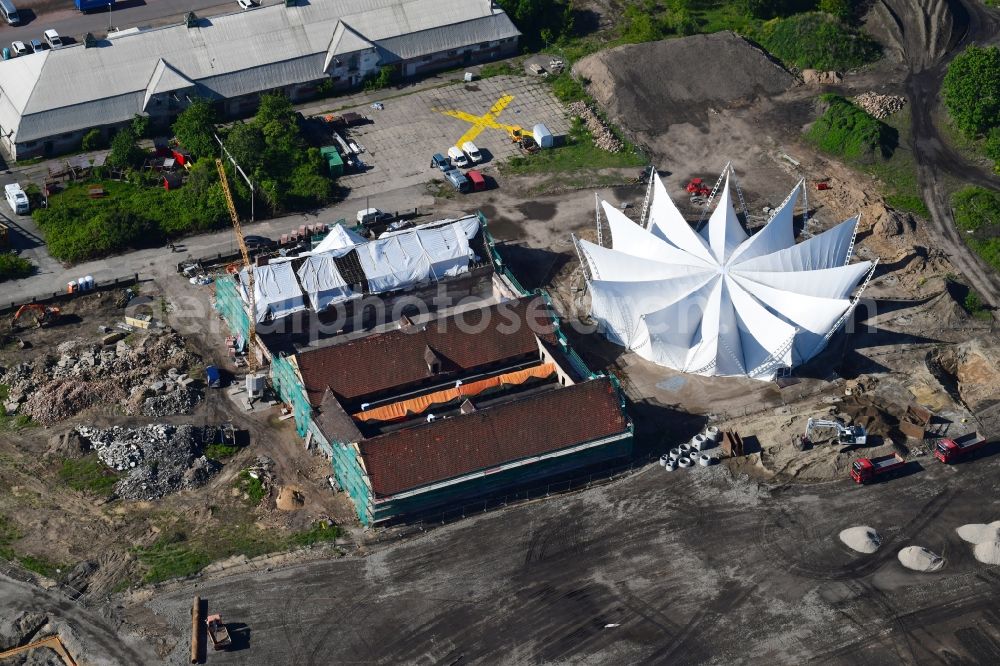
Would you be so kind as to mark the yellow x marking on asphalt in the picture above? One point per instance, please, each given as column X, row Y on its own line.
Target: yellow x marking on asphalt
column 479, row 123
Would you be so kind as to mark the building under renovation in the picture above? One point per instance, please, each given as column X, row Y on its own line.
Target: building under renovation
column 49, row 100
column 420, row 413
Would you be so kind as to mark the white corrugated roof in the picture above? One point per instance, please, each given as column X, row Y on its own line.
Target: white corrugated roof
column 232, row 54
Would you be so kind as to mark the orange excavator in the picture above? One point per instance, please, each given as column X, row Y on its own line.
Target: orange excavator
column 43, row 316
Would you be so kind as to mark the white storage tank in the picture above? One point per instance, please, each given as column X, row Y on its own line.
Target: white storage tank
column 543, row 137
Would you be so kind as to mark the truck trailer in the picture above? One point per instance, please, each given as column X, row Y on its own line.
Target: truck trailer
column 91, row 5
column 866, row 470
column 953, row 450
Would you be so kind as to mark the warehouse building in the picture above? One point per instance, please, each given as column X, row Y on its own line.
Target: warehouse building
column 49, row 100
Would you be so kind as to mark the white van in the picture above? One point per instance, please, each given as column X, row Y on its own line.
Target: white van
column 474, row 155
column 17, row 199
column 458, row 158
column 9, row 12
column 52, row 38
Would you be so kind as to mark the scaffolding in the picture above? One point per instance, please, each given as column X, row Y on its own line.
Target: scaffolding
column 288, row 386
column 229, row 304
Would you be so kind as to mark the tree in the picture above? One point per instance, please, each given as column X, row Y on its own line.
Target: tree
column 842, row 9
column 195, row 127
column 245, row 142
column 972, row 90
column 124, row 152
column 140, row 126
column 93, row 140
column 993, row 147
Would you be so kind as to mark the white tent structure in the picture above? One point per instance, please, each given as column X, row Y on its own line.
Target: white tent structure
column 401, row 260
column 717, row 301
column 276, row 292
column 338, row 238
column 321, row 280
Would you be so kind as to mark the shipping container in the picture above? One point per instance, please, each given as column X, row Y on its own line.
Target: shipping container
column 90, row 5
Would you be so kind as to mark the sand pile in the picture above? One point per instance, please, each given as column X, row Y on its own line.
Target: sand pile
column 705, row 71
column 862, row 538
column 985, row 538
column 918, row 558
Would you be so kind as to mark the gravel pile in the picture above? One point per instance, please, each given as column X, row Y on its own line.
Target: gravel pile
column 862, row 538
column 155, row 460
column 143, row 377
column 918, row 558
column 880, row 106
column 604, row 138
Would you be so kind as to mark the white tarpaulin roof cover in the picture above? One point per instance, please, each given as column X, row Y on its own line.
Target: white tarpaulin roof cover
column 417, row 255
column 275, row 291
column 321, row 279
column 721, row 302
column 338, row 238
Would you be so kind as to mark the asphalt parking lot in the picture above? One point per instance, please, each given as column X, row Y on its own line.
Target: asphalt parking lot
column 409, row 129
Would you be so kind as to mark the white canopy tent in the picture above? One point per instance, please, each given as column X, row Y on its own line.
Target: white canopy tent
column 720, row 302
column 321, row 280
column 410, row 257
column 338, row 238
column 276, row 291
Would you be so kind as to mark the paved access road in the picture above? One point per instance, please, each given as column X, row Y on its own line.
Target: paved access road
column 40, row 15
column 667, row 568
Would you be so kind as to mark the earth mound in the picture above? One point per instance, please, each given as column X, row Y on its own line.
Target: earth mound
column 648, row 87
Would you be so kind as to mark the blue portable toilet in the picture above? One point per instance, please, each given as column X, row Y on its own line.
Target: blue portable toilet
column 6, row 53
column 212, row 377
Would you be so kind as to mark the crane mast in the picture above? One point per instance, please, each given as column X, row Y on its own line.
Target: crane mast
column 245, row 251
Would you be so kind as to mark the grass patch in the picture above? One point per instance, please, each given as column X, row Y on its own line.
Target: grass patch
column 320, row 532
column 40, row 565
column 847, row 131
column 504, row 68
column 977, row 213
column 13, row 267
column 253, row 488
column 10, row 422
column 88, row 474
column 567, row 89
column 171, row 556
column 220, row 451
column 578, row 152
column 816, row 40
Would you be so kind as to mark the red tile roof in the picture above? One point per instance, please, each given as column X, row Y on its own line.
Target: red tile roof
column 397, row 358
column 444, row 449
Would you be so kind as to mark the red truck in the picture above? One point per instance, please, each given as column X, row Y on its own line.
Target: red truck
column 953, row 450
column 866, row 470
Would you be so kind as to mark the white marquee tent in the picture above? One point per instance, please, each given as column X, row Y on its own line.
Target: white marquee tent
column 717, row 301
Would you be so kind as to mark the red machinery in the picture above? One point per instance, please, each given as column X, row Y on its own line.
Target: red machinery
column 43, row 316
column 696, row 187
column 866, row 470
column 952, row 450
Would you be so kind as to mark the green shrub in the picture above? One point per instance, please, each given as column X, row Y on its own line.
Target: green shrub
column 977, row 212
column 124, row 151
column 88, row 474
column 93, row 140
column 817, row 40
column 13, row 267
column 386, row 77
column 194, row 129
column 220, row 451
column 253, row 488
column 971, row 90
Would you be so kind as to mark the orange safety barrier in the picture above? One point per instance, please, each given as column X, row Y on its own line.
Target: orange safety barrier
column 420, row 404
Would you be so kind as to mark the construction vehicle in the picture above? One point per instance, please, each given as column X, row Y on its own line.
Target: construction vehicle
column 697, row 188
column 248, row 266
column 952, row 450
column 845, row 434
column 866, row 470
column 523, row 140
column 43, row 316
column 218, row 632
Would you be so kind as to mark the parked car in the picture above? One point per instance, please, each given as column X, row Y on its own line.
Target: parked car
column 458, row 158
column 246, row 4
column 457, row 180
column 371, row 216
column 476, row 179
column 257, row 242
column 36, row 46
column 9, row 12
column 52, row 38
column 470, row 149
column 439, row 161
column 19, row 49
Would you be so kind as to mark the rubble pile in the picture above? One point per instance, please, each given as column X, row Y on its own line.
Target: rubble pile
column 155, row 460
column 143, row 377
column 880, row 106
column 604, row 138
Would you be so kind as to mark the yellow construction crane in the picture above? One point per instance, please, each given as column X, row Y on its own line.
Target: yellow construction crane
column 245, row 251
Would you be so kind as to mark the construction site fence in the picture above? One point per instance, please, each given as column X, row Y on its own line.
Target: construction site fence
column 582, row 482
column 64, row 296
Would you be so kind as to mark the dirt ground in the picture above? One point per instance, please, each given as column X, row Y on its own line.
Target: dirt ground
column 64, row 527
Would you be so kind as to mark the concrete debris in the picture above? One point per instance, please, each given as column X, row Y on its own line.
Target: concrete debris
column 20, row 629
column 604, row 138
column 880, row 106
column 155, row 460
column 142, row 376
